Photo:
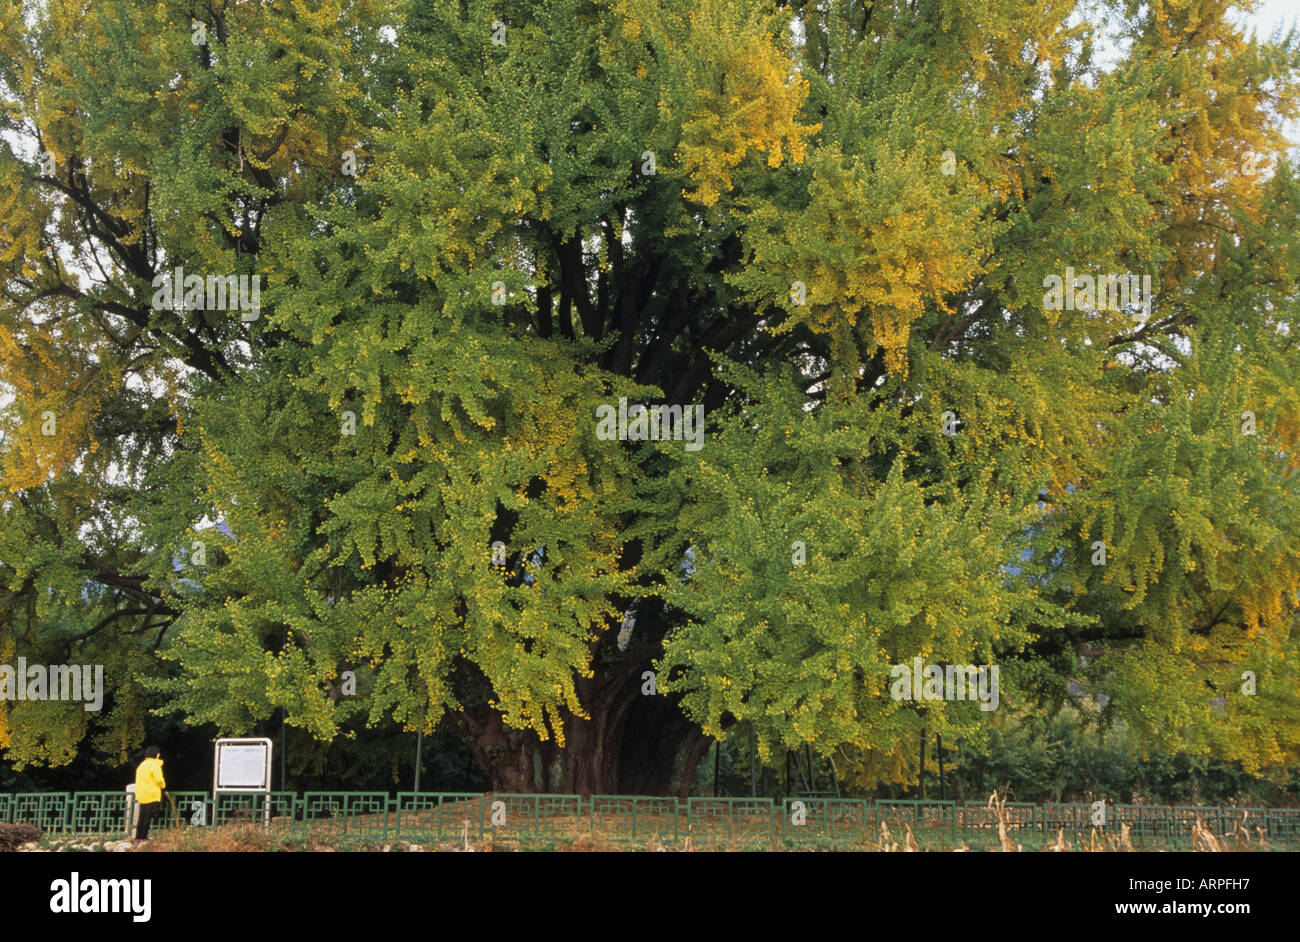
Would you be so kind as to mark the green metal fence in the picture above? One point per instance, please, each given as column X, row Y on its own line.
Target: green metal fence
column 438, row 816
column 930, row 822
column 1284, row 825
column 453, row 818
column 1244, row 820
column 830, row 821
column 185, row 809
column 1147, row 824
column 983, row 825
column 1183, row 818
column 635, row 818
column 277, row 809
column 1072, row 821
column 48, row 811
column 730, row 821
column 533, row 817
column 100, row 813
column 358, row 813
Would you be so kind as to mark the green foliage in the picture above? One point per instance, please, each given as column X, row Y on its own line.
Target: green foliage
column 832, row 238
column 1066, row 759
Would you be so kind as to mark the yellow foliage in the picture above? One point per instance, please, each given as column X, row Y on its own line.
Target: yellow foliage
column 740, row 92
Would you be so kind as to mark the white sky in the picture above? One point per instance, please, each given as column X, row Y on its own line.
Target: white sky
column 1271, row 16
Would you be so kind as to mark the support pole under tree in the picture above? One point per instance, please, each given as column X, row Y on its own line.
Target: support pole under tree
column 284, row 774
column 419, row 751
column 920, row 779
column 284, row 781
column 938, row 743
column 753, row 764
column 717, row 750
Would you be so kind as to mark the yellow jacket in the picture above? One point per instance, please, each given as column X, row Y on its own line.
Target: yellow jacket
column 149, row 782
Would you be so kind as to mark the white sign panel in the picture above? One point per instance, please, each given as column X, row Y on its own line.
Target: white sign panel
column 243, row 765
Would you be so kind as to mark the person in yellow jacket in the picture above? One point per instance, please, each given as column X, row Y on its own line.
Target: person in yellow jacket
column 149, row 785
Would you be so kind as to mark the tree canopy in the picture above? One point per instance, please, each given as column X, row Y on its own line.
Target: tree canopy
column 383, row 502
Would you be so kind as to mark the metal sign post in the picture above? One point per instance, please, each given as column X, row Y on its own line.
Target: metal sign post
column 419, row 757
column 242, row 766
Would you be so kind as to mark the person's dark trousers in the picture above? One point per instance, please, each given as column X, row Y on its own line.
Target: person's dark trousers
column 147, row 811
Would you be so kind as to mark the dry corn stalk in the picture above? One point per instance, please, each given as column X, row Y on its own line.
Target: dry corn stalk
column 887, row 841
column 1125, row 843
column 910, row 844
column 1201, row 835
column 998, row 806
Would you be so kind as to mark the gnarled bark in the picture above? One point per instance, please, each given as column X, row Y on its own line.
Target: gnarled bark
column 633, row 743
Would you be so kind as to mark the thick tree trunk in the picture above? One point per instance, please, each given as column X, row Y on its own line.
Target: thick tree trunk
column 633, row 744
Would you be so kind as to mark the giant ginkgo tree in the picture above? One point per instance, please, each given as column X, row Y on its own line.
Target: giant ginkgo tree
column 387, row 502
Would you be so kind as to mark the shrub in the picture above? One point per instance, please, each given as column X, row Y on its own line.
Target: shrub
column 13, row 836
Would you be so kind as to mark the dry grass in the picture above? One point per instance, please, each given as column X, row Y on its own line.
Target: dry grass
column 997, row 831
column 230, row 837
column 252, row 838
